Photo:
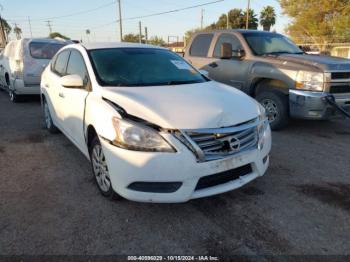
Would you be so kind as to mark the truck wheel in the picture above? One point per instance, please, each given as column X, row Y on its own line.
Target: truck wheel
column 49, row 125
column 276, row 106
column 100, row 169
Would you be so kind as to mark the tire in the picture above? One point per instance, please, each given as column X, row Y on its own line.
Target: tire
column 14, row 98
column 276, row 106
column 48, row 123
column 100, row 169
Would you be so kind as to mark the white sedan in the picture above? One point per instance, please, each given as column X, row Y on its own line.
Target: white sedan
column 154, row 128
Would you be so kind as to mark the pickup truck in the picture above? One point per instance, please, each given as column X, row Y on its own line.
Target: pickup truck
column 277, row 73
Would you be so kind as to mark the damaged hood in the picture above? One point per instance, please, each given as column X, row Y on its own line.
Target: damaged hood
column 191, row 106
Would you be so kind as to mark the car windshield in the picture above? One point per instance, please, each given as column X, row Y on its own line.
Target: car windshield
column 270, row 43
column 42, row 50
column 142, row 67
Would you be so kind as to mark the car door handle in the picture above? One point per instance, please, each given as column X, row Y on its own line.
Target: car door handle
column 46, row 85
column 61, row 94
column 213, row 65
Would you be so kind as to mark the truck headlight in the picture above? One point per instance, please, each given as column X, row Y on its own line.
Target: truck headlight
column 134, row 136
column 262, row 127
column 312, row 81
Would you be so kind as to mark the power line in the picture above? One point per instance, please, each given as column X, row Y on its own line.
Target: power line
column 161, row 13
column 173, row 11
column 71, row 14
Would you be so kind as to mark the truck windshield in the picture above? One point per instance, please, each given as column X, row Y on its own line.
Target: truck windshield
column 142, row 67
column 44, row 50
column 270, row 43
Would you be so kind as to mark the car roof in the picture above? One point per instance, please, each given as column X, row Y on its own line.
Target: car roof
column 104, row 45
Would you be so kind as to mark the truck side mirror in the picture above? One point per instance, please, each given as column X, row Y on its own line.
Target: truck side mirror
column 239, row 53
column 226, row 51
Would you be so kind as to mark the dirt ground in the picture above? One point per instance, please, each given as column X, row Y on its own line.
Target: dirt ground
column 49, row 204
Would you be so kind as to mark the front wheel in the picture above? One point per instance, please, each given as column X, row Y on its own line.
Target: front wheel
column 48, row 119
column 100, row 169
column 276, row 106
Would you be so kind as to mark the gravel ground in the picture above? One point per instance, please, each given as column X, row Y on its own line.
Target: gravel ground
column 49, row 203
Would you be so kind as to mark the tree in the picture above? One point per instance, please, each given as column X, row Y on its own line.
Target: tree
column 155, row 40
column 253, row 20
column 57, row 34
column 132, row 38
column 237, row 19
column 320, row 22
column 267, row 17
column 7, row 27
column 18, row 31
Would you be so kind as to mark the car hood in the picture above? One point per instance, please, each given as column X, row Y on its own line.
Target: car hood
column 190, row 106
column 321, row 62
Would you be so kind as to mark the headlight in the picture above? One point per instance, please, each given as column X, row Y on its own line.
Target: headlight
column 312, row 81
column 134, row 136
column 262, row 127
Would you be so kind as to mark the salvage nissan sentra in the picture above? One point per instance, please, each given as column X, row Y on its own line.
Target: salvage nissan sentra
column 153, row 127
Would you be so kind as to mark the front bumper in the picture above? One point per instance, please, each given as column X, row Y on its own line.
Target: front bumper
column 127, row 167
column 312, row 105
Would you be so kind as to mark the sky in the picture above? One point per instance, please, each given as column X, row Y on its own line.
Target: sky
column 102, row 20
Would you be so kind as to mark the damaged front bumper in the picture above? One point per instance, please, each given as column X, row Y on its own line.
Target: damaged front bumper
column 313, row 105
column 179, row 177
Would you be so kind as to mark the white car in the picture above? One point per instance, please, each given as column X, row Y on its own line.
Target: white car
column 23, row 61
column 154, row 128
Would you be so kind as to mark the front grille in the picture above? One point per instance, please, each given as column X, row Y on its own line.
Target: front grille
column 223, row 177
column 217, row 143
column 340, row 75
column 338, row 89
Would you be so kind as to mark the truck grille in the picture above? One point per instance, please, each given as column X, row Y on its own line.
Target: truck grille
column 211, row 144
column 338, row 89
column 340, row 75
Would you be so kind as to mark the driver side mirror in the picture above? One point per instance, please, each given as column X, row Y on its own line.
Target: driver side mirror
column 72, row 81
column 239, row 53
column 226, row 51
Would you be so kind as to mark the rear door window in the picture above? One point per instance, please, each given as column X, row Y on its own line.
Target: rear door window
column 42, row 50
column 60, row 64
column 76, row 66
column 200, row 45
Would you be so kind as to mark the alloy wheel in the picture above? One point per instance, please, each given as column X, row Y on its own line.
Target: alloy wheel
column 100, row 168
column 271, row 109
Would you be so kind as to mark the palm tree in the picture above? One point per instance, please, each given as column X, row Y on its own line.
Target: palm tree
column 267, row 17
column 17, row 31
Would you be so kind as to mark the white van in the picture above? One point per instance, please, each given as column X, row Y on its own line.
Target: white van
column 23, row 61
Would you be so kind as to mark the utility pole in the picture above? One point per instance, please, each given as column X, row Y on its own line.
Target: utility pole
column 120, row 21
column 247, row 18
column 140, row 32
column 228, row 20
column 202, row 14
column 49, row 25
column 30, row 27
column 146, row 35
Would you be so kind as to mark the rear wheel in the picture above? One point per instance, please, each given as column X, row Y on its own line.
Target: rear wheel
column 276, row 106
column 100, row 169
column 49, row 125
column 13, row 96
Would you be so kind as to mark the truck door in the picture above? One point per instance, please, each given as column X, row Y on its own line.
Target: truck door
column 233, row 71
column 198, row 53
